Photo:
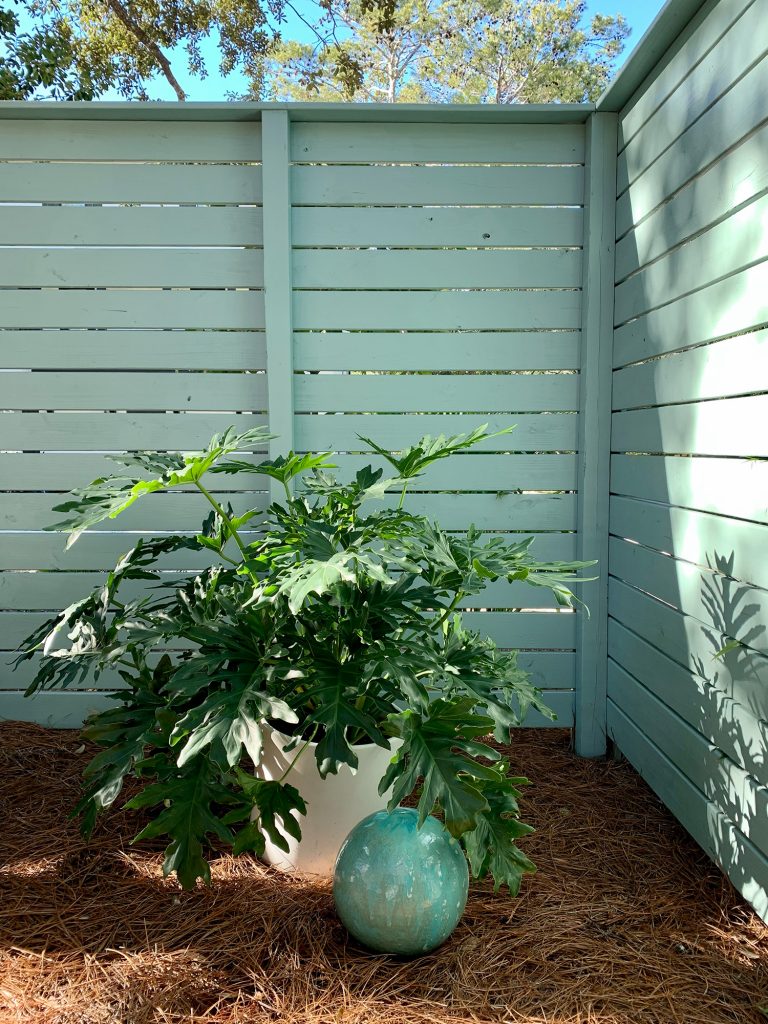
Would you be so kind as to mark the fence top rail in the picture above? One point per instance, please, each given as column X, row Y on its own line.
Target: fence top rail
column 476, row 113
column 652, row 46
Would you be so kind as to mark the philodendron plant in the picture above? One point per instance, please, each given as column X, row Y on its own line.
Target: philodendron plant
column 331, row 616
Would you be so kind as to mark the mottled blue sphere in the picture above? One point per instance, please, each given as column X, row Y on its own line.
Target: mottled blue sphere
column 398, row 888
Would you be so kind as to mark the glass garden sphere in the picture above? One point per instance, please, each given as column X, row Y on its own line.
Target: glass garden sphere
column 400, row 889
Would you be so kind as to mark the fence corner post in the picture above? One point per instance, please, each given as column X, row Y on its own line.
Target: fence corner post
column 278, row 294
column 595, row 427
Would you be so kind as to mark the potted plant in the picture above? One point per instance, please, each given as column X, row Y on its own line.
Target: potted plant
column 330, row 630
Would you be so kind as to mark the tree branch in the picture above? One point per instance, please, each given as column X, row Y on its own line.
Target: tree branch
column 138, row 32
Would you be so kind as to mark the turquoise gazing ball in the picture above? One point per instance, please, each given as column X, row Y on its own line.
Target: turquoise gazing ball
column 400, row 889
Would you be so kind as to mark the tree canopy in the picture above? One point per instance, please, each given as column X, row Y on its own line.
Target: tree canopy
column 465, row 51
column 454, row 51
column 41, row 62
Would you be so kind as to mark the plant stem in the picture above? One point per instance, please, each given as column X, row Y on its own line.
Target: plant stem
column 402, row 495
column 224, row 517
column 295, row 761
column 450, row 608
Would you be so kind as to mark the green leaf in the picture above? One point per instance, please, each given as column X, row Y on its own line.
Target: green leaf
column 491, row 845
column 188, row 817
column 107, row 497
column 229, row 720
column 284, row 468
column 411, row 462
column 440, row 746
column 272, row 800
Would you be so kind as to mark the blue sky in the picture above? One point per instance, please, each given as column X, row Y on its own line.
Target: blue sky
column 639, row 14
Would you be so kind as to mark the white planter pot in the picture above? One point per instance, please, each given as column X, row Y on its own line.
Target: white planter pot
column 334, row 804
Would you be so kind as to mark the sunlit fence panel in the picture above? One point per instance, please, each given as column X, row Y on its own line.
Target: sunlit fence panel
column 688, row 602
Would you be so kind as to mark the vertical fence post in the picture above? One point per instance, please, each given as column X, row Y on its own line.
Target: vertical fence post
column 595, row 427
column 278, row 298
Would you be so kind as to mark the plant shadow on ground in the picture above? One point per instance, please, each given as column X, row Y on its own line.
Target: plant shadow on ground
column 623, row 923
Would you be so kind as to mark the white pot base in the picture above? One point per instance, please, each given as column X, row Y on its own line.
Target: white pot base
column 334, row 804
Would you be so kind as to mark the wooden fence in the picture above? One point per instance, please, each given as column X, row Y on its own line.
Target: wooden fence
column 168, row 276
column 689, row 476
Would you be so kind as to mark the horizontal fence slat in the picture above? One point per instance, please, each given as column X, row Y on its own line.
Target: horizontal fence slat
column 739, row 303
column 476, row 472
column 739, row 674
column 719, row 838
column 60, row 472
column 739, row 797
column 101, row 551
column 175, row 512
column 55, row 710
column 434, row 143
column 551, row 630
column 181, row 141
column 542, row 432
column 132, row 308
column 93, row 552
column 414, row 350
column 198, row 184
column 741, row 46
column 126, row 268
column 726, row 723
column 69, row 710
column 436, row 185
column 700, row 35
column 133, row 350
column 727, row 487
column 737, row 178
column 53, row 591
column 736, row 366
column 730, row 246
column 474, row 268
column 725, row 427
column 134, row 391
column 436, row 309
column 117, row 432
column 737, row 113
column 131, row 225
column 549, row 670
column 417, row 228
column 431, row 393
column 172, row 512
column 694, row 590
column 695, row 536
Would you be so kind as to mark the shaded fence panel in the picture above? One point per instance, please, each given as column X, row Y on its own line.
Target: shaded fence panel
column 132, row 269
column 438, row 267
column 428, row 274
column 689, row 505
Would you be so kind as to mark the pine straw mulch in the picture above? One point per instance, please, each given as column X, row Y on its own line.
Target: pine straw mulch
column 626, row 922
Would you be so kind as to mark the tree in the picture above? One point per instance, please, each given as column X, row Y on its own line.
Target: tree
column 526, row 51
column 39, row 63
column 78, row 49
column 125, row 44
column 460, row 51
column 366, row 63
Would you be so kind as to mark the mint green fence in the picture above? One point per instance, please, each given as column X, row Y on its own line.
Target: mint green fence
column 689, row 476
column 168, row 270
column 170, row 273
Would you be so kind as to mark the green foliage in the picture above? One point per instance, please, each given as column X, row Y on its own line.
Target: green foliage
column 79, row 49
column 454, row 51
column 337, row 624
column 40, row 63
